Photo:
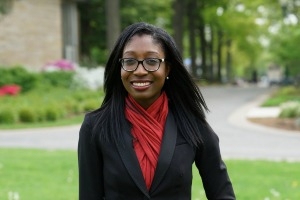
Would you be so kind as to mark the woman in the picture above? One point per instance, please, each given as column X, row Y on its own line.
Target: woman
column 151, row 127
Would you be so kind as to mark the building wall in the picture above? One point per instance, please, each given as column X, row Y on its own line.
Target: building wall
column 31, row 34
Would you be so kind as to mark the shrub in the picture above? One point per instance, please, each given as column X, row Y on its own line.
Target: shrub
column 7, row 116
column 40, row 114
column 90, row 105
column 51, row 114
column 26, row 115
column 57, row 78
column 289, row 109
column 18, row 75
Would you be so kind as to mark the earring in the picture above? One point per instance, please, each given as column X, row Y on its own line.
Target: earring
column 167, row 78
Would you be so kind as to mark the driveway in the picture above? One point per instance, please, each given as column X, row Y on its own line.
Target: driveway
column 240, row 138
column 228, row 105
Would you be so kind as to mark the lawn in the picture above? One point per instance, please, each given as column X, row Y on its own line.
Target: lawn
column 38, row 175
column 42, row 174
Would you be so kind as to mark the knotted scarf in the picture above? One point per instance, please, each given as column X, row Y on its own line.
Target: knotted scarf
column 147, row 130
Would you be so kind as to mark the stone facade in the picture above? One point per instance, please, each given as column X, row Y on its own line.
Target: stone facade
column 31, row 33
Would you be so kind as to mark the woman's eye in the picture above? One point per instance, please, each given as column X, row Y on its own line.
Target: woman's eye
column 152, row 61
column 129, row 62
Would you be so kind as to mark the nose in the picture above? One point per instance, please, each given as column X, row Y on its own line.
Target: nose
column 140, row 69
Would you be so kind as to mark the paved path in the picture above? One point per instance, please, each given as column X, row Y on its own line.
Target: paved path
column 228, row 109
column 240, row 138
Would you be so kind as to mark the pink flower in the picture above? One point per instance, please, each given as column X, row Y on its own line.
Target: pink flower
column 60, row 65
column 10, row 90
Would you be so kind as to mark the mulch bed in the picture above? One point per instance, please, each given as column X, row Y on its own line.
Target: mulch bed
column 282, row 123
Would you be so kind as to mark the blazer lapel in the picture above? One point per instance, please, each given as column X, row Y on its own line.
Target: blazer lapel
column 131, row 163
column 167, row 150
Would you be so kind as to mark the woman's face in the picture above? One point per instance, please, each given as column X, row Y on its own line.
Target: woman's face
column 145, row 87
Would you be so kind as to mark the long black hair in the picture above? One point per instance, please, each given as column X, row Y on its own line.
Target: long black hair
column 185, row 98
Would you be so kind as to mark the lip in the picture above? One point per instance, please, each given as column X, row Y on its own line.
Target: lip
column 141, row 85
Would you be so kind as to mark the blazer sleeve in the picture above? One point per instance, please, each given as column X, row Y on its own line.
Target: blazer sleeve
column 212, row 169
column 89, row 164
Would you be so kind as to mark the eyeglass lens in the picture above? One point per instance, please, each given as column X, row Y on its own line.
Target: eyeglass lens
column 150, row 64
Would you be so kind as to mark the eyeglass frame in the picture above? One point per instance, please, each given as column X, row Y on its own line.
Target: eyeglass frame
column 141, row 62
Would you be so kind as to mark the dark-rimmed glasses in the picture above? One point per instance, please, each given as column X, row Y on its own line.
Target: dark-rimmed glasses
column 149, row 64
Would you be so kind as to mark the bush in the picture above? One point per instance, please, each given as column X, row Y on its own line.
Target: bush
column 51, row 114
column 7, row 116
column 90, row 105
column 290, row 109
column 57, row 78
column 18, row 76
column 41, row 105
column 26, row 115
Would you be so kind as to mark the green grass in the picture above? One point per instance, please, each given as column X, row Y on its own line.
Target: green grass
column 38, row 174
column 259, row 180
column 49, row 175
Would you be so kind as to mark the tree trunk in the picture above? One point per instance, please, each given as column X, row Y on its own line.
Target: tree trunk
column 228, row 61
column 219, row 55
column 192, row 36
column 202, row 42
column 112, row 8
column 203, row 50
column 210, row 58
column 178, row 16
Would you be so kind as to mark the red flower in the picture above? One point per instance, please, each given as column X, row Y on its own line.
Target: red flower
column 10, row 90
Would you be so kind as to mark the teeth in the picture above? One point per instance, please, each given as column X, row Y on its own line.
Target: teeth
column 141, row 84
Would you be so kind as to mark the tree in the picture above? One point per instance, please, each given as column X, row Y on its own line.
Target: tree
column 178, row 25
column 112, row 10
column 192, row 17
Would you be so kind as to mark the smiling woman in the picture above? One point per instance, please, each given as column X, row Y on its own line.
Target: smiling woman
column 143, row 75
column 150, row 128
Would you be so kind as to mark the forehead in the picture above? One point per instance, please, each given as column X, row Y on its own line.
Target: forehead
column 140, row 42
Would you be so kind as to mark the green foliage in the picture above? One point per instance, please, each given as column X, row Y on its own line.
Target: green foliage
column 20, row 76
column 51, row 114
column 57, row 79
column 90, row 105
column 93, row 24
column 7, row 116
column 98, row 55
column 26, row 115
column 286, row 49
column 5, row 6
column 51, row 105
column 283, row 95
column 93, row 29
column 290, row 110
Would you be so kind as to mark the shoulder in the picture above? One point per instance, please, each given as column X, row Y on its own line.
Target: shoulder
column 209, row 137
column 91, row 119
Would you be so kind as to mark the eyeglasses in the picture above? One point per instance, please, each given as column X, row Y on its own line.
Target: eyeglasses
column 149, row 64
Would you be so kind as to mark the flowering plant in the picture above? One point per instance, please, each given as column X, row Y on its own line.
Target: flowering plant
column 10, row 90
column 62, row 64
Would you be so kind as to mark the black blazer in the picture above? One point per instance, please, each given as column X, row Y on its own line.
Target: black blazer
column 112, row 172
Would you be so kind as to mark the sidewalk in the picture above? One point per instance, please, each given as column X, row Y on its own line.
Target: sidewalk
column 254, row 110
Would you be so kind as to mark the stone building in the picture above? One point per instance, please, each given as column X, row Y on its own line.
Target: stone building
column 35, row 32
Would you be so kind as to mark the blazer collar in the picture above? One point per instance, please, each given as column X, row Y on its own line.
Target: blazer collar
column 131, row 163
column 166, row 152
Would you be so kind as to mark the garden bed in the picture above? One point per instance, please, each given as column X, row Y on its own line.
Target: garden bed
column 281, row 123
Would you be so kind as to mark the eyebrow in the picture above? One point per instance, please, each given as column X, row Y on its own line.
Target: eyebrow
column 155, row 52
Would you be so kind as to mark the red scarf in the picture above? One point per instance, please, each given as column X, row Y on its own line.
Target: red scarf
column 147, row 129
